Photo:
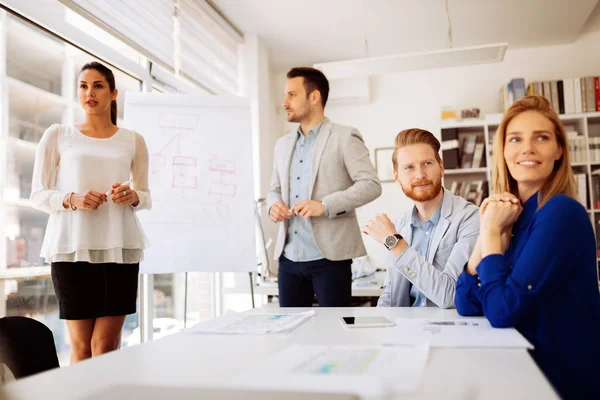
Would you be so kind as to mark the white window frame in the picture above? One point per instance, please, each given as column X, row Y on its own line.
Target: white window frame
column 51, row 17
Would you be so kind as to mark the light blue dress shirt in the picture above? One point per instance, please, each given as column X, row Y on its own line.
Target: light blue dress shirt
column 422, row 233
column 300, row 242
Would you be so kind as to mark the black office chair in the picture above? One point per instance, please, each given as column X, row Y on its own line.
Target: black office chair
column 26, row 346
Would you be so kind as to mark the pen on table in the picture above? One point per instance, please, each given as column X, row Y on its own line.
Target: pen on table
column 124, row 183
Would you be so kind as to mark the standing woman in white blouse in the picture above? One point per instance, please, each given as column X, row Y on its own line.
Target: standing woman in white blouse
column 93, row 240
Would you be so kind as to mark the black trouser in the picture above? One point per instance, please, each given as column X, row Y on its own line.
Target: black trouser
column 331, row 281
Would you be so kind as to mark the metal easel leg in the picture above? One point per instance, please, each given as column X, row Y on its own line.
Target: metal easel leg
column 251, row 289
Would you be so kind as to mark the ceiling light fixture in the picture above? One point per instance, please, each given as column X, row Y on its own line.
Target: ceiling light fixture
column 446, row 58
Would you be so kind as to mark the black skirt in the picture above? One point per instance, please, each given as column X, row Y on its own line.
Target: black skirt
column 84, row 290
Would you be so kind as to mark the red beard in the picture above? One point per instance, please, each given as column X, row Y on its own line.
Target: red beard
column 423, row 195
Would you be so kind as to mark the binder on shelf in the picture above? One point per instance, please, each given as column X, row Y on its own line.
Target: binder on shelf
column 478, row 155
column 597, row 89
column 591, row 94
column 581, row 189
column 568, row 96
column 577, row 95
column 450, row 147
column 468, row 149
column 555, row 102
column 561, row 96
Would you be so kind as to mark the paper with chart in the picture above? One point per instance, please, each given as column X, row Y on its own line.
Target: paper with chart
column 235, row 323
column 364, row 370
column 200, row 178
column 466, row 332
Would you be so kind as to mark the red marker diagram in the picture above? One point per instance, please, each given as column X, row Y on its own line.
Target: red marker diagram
column 222, row 170
column 182, row 165
column 182, row 170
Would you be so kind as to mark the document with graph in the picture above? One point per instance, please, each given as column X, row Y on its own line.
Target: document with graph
column 236, row 323
column 364, row 370
column 457, row 333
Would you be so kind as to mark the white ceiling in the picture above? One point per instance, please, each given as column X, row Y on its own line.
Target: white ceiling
column 311, row 31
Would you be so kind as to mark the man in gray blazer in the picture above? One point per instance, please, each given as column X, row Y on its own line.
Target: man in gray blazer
column 322, row 173
column 436, row 237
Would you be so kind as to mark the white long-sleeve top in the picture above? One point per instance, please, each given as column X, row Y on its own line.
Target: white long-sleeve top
column 78, row 163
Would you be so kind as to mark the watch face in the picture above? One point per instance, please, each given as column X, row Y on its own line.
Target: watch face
column 391, row 241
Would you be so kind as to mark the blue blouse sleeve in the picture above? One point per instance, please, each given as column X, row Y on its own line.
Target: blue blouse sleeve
column 560, row 233
column 467, row 295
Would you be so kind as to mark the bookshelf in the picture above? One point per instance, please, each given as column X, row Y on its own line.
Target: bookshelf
column 583, row 131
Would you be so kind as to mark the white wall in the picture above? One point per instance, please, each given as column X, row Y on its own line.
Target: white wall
column 414, row 99
column 257, row 84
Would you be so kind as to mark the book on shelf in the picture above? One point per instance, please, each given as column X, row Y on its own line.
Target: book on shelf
column 547, row 92
column 453, row 187
column 597, row 90
column 561, row 96
column 468, row 150
column 567, row 95
column 463, row 150
column 596, row 189
column 513, row 91
column 474, row 190
column 478, row 155
column 491, row 136
column 576, row 147
column 594, row 148
column 450, row 147
column 581, row 182
column 590, row 94
column 578, row 95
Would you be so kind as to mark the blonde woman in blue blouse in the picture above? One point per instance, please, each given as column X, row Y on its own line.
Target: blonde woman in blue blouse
column 534, row 264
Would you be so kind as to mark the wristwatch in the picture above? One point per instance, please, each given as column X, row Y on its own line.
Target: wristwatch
column 391, row 241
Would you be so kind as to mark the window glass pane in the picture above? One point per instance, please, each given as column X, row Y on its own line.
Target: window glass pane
column 88, row 28
column 201, row 295
column 34, row 81
column 169, row 297
column 34, row 57
column 169, row 301
column 131, row 334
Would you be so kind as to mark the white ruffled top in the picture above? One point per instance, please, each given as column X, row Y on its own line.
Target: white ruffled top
column 78, row 163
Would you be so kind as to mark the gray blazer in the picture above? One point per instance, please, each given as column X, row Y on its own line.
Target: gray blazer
column 342, row 175
column 451, row 247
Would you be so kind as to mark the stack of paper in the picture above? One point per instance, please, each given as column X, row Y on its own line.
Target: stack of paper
column 471, row 332
column 234, row 323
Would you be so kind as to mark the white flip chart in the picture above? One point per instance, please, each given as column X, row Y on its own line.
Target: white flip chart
column 200, row 178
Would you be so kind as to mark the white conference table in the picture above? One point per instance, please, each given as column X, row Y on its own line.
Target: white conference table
column 204, row 361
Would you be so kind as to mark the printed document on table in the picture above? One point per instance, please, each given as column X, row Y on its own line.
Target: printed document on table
column 237, row 323
column 376, row 371
column 467, row 332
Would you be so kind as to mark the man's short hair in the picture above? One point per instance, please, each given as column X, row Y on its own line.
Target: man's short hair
column 313, row 80
column 415, row 136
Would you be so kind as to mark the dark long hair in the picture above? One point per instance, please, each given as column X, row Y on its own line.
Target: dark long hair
column 110, row 78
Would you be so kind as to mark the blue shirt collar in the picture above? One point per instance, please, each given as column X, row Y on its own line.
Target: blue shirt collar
column 435, row 218
column 314, row 131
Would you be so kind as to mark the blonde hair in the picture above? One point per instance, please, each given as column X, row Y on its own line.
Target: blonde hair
column 561, row 180
column 415, row 136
